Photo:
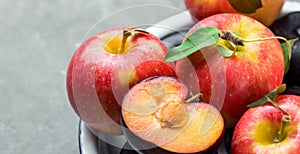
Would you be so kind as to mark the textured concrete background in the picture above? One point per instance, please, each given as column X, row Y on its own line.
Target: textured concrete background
column 37, row 40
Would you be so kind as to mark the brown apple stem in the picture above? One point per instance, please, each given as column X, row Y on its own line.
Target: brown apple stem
column 238, row 40
column 126, row 34
column 285, row 122
column 229, row 36
column 193, row 98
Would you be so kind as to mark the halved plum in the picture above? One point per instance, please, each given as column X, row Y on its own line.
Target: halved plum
column 160, row 116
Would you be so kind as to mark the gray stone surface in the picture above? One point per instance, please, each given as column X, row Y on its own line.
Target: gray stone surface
column 37, row 40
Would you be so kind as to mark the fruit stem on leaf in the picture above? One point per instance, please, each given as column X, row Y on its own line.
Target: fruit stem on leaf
column 281, row 135
column 126, row 34
column 193, row 98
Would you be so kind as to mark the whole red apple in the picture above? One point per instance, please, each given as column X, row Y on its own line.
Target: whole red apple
column 266, row 13
column 105, row 66
column 231, row 83
column 264, row 130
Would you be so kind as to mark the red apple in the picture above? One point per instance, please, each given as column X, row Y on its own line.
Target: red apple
column 266, row 14
column 261, row 129
column 105, row 66
column 231, row 83
column 161, row 118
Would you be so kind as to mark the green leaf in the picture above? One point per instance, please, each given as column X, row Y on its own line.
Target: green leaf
column 202, row 37
column 259, row 102
column 287, row 51
column 246, row 6
column 225, row 52
column 281, row 89
column 270, row 97
column 272, row 94
column 180, row 51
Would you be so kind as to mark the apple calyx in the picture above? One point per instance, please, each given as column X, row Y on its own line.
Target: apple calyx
column 126, row 34
column 173, row 114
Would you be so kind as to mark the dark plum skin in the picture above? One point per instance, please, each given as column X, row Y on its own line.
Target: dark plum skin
column 288, row 26
column 292, row 78
column 295, row 62
column 227, row 139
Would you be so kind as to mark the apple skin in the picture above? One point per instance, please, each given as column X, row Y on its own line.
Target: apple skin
column 98, row 77
column 201, row 9
column 258, row 127
column 194, row 127
column 230, row 84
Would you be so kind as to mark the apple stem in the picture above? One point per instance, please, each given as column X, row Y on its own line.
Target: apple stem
column 126, row 34
column 193, row 98
column 229, row 36
column 277, row 106
column 281, row 135
column 267, row 38
column 289, row 45
column 239, row 40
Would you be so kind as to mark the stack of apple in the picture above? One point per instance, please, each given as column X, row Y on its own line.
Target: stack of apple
column 125, row 81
